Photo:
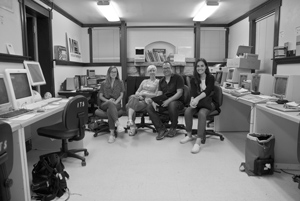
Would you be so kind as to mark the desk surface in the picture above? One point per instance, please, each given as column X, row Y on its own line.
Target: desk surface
column 292, row 116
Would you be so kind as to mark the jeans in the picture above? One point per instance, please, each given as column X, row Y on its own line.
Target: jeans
column 202, row 115
column 111, row 110
column 173, row 111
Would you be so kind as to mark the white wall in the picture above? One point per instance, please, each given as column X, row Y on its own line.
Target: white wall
column 289, row 20
column 62, row 26
column 238, row 35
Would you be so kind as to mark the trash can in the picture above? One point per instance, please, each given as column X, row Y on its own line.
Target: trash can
column 259, row 154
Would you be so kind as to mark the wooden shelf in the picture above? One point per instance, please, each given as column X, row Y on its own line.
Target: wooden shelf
column 287, row 60
column 12, row 58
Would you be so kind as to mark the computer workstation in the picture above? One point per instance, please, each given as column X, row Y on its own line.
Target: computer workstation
column 16, row 95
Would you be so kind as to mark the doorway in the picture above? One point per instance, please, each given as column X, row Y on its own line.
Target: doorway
column 39, row 44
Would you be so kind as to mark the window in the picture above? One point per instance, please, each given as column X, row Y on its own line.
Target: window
column 106, row 44
column 212, row 44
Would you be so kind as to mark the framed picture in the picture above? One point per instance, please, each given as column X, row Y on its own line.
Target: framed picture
column 73, row 48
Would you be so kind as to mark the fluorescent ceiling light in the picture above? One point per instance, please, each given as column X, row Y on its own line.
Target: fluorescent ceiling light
column 206, row 9
column 108, row 11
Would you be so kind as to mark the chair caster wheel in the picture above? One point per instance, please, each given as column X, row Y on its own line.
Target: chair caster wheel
column 83, row 163
column 154, row 131
column 222, row 138
column 86, row 153
column 203, row 141
column 95, row 135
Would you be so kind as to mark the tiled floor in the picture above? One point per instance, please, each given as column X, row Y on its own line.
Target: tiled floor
column 140, row 168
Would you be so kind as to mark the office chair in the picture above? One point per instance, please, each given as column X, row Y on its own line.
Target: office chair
column 103, row 125
column 6, row 160
column 143, row 124
column 218, row 98
column 72, row 128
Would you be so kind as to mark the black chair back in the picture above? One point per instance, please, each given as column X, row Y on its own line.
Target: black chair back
column 75, row 115
column 217, row 99
column 186, row 95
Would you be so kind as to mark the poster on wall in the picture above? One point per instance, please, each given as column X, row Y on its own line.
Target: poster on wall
column 73, row 48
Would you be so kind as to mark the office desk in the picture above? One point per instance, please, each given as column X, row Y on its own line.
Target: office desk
column 20, row 175
column 236, row 115
column 285, row 127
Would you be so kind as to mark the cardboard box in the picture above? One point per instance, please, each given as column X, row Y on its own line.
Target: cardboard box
column 248, row 63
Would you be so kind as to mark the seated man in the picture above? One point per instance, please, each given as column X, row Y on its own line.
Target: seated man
column 170, row 85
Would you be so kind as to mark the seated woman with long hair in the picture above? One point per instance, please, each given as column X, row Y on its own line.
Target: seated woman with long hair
column 142, row 97
column 202, row 86
column 111, row 94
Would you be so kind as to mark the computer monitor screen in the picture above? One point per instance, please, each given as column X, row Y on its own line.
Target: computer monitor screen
column 218, row 76
column 18, row 85
column 4, row 97
column 255, row 82
column 243, row 78
column 36, row 75
column 139, row 51
column 280, row 86
column 230, row 74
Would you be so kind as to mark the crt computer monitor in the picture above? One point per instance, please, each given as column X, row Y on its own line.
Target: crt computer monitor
column 244, row 77
column 287, row 87
column 255, row 82
column 19, row 87
column 234, row 73
column 5, row 104
column 218, row 76
column 35, row 73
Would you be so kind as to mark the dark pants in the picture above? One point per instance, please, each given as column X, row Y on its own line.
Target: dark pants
column 202, row 116
column 111, row 110
column 173, row 112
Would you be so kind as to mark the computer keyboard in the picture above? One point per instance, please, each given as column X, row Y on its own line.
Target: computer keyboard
column 14, row 113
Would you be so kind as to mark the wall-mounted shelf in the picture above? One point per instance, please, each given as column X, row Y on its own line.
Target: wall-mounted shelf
column 287, row 60
column 12, row 58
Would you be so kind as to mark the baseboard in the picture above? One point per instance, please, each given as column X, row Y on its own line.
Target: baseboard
column 287, row 166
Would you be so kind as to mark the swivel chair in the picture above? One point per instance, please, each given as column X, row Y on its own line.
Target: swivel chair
column 72, row 128
column 6, row 160
column 143, row 124
column 218, row 98
column 103, row 125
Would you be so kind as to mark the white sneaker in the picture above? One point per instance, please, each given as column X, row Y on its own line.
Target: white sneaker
column 111, row 139
column 196, row 148
column 120, row 129
column 186, row 139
